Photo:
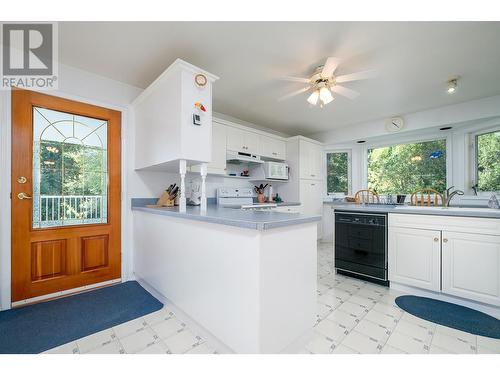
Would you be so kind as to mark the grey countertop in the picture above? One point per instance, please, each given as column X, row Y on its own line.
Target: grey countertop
column 259, row 220
column 396, row 209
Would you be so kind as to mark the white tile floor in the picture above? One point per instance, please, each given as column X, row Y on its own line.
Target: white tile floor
column 353, row 317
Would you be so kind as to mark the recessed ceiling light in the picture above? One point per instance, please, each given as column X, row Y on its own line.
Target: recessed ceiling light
column 452, row 85
column 446, row 128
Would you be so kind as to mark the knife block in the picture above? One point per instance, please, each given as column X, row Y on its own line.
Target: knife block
column 165, row 200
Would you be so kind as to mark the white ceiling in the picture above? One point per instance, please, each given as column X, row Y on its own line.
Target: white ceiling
column 413, row 61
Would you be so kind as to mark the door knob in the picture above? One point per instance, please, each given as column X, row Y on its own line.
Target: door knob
column 23, row 196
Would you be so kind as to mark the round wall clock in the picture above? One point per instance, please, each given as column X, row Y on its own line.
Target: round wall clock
column 200, row 80
column 394, row 124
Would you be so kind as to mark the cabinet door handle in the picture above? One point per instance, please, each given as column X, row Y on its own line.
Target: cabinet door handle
column 445, row 240
column 436, row 239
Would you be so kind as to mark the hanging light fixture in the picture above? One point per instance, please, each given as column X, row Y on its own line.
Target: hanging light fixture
column 325, row 95
column 452, row 85
column 321, row 95
column 313, row 98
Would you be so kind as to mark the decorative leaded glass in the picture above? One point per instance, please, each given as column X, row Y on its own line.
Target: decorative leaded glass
column 70, row 169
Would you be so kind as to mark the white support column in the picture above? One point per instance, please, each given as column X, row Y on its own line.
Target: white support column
column 182, row 197
column 203, row 174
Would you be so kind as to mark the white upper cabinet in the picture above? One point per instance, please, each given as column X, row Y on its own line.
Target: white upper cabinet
column 310, row 160
column 165, row 128
column 272, row 148
column 242, row 141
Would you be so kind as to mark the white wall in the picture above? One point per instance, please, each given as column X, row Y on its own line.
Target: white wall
column 474, row 110
column 465, row 118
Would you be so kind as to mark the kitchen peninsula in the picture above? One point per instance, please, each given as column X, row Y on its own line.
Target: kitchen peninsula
column 225, row 269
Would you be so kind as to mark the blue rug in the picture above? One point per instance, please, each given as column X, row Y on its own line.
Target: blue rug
column 451, row 315
column 39, row 327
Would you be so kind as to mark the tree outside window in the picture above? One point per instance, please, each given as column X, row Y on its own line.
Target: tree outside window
column 488, row 161
column 337, row 172
column 405, row 168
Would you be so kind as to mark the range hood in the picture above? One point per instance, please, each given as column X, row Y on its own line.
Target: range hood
column 242, row 157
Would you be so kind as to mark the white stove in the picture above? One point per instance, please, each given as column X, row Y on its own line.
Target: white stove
column 241, row 198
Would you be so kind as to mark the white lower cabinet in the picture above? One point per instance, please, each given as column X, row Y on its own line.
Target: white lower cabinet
column 471, row 266
column 328, row 222
column 415, row 257
column 311, row 192
column 457, row 256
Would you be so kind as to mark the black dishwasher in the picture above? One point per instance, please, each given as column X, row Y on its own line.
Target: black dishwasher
column 361, row 245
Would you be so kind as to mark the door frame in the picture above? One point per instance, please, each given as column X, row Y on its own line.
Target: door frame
column 5, row 189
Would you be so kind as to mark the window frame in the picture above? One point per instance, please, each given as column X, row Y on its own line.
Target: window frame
column 349, row 172
column 473, row 157
column 407, row 140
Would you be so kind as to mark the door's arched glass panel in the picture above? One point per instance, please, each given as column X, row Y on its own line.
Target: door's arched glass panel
column 70, row 171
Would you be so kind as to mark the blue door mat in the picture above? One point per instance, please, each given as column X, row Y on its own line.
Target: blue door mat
column 39, row 327
column 451, row 315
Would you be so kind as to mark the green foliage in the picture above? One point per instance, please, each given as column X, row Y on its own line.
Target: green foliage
column 404, row 168
column 337, row 172
column 71, row 169
column 488, row 161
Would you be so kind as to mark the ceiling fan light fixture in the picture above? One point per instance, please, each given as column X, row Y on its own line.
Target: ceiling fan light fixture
column 325, row 95
column 452, row 86
column 313, row 98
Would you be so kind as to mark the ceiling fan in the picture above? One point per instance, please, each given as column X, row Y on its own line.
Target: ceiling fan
column 323, row 82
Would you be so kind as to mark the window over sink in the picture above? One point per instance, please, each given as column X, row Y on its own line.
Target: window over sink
column 486, row 173
column 405, row 168
column 338, row 172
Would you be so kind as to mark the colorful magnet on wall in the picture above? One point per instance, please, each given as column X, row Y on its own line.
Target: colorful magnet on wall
column 200, row 106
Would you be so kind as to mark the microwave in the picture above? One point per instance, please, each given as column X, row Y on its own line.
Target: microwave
column 276, row 171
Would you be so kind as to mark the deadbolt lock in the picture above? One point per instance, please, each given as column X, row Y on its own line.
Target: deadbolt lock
column 22, row 180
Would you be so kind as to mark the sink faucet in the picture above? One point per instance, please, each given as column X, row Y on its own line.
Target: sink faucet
column 448, row 195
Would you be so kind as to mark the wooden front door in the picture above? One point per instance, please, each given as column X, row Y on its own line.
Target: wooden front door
column 65, row 195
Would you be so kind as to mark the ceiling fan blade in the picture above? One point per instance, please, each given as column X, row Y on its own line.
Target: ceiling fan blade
column 294, row 93
column 344, row 91
column 330, row 65
column 356, row 76
column 296, row 79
